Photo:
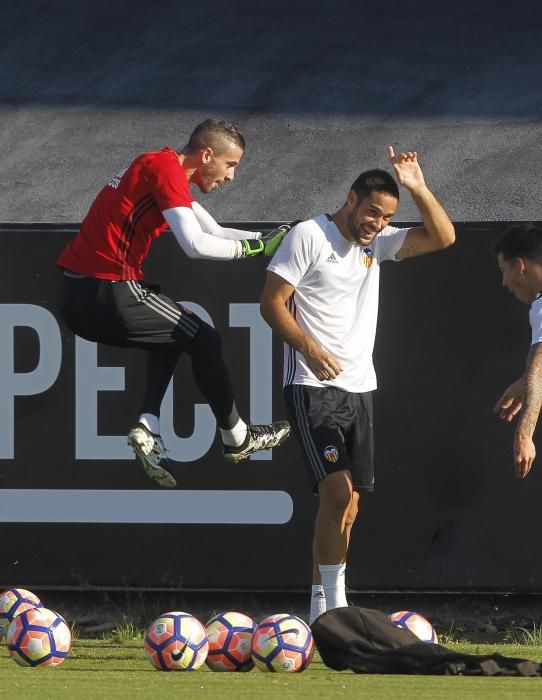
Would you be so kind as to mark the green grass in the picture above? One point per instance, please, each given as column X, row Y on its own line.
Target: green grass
column 525, row 636
column 106, row 670
column 126, row 632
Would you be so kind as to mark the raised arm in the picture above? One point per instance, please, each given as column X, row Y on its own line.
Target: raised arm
column 273, row 307
column 437, row 231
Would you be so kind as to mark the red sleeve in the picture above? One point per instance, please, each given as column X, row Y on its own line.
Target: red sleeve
column 168, row 182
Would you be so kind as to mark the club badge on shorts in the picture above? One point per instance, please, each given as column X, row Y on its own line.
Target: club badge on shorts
column 331, row 453
column 367, row 257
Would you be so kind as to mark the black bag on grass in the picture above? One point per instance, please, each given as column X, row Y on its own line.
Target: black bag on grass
column 366, row 641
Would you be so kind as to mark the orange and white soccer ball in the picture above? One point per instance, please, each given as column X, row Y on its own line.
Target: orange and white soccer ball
column 13, row 602
column 282, row 643
column 417, row 624
column 39, row 637
column 230, row 642
column 176, row 641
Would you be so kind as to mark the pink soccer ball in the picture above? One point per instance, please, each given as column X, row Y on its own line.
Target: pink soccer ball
column 417, row 624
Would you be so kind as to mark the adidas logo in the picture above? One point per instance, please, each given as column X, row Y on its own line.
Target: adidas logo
column 332, row 258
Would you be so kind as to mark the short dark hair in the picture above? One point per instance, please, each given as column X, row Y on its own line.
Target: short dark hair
column 375, row 180
column 212, row 133
column 520, row 241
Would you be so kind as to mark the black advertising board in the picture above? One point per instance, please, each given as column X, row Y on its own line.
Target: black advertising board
column 78, row 511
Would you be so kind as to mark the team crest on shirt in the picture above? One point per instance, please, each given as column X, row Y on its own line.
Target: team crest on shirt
column 331, row 453
column 367, row 257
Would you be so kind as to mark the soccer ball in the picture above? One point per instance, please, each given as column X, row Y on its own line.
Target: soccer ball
column 417, row 624
column 176, row 641
column 282, row 643
column 13, row 602
column 230, row 638
column 39, row 637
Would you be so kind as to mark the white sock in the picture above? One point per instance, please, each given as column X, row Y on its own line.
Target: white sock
column 333, row 576
column 236, row 436
column 318, row 602
column 151, row 422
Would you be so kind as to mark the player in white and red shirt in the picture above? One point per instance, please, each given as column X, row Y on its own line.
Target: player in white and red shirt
column 321, row 298
column 103, row 296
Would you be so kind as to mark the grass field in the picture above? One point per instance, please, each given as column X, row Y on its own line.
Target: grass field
column 108, row 670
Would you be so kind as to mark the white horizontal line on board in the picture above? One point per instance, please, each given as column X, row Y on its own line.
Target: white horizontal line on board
column 145, row 507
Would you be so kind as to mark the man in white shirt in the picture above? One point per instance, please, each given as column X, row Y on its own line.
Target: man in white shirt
column 519, row 253
column 321, row 297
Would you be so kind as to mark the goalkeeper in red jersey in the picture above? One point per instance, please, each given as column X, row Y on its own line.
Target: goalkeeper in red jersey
column 104, row 298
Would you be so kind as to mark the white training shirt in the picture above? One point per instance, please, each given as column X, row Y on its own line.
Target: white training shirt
column 335, row 299
column 535, row 318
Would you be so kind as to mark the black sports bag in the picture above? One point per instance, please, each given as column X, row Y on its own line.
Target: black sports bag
column 366, row 641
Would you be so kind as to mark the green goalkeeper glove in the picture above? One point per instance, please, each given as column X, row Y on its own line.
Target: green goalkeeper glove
column 252, row 246
column 273, row 239
column 267, row 244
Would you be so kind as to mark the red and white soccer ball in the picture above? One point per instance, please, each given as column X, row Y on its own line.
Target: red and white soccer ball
column 230, row 642
column 39, row 637
column 282, row 643
column 13, row 602
column 176, row 641
column 417, row 624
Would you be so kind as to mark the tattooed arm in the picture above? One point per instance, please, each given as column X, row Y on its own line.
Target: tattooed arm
column 437, row 231
column 524, row 449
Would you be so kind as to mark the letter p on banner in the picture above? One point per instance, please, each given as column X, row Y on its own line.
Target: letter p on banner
column 36, row 381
